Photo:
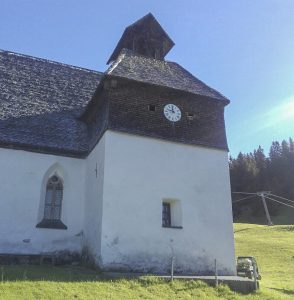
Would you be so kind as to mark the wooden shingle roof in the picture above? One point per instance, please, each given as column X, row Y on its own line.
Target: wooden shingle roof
column 136, row 67
column 40, row 102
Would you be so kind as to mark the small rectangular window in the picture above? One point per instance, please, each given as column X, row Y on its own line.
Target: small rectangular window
column 151, row 107
column 171, row 213
column 166, row 216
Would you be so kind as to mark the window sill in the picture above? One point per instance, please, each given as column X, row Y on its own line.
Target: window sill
column 52, row 224
column 173, row 227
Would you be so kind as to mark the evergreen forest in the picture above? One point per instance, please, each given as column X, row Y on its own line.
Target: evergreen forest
column 255, row 172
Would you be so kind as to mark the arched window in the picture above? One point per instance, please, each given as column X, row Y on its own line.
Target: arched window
column 53, row 204
column 53, row 199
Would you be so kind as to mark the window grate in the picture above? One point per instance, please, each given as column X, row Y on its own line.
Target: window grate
column 53, row 205
column 53, row 199
column 166, row 216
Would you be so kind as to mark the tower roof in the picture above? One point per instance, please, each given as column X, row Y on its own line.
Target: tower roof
column 146, row 37
column 169, row 74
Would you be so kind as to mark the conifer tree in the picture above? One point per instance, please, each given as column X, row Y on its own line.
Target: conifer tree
column 254, row 172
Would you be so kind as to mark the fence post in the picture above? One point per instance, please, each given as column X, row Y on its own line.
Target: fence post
column 172, row 269
column 215, row 273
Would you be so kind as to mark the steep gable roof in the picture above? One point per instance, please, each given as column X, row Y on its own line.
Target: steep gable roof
column 158, row 72
column 147, row 29
column 40, row 102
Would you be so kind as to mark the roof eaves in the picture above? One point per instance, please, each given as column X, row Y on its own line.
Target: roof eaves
column 45, row 150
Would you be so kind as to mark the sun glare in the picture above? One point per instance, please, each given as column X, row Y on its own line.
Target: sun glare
column 288, row 111
column 280, row 114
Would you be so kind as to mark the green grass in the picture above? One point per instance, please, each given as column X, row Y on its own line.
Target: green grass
column 272, row 246
column 144, row 288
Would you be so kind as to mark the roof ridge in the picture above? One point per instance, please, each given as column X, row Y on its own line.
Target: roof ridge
column 49, row 61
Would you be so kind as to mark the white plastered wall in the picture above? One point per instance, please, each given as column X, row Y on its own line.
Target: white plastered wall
column 134, row 175
column 23, row 176
column 140, row 173
column 94, row 201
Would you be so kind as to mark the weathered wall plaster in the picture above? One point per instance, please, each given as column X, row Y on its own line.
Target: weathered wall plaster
column 139, row 173
column 112, row 205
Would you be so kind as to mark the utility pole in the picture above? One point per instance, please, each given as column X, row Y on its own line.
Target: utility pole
column 268, row 217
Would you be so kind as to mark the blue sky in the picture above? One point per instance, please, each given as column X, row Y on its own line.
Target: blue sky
column 244, row 49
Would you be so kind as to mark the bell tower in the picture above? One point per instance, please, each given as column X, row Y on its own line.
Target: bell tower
column 158, row 135
column 145, row 37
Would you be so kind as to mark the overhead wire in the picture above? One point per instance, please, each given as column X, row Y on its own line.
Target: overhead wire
column 279, row 202
column 282, row 198
column 266, row 196
column 244, row 193
column 248, row 197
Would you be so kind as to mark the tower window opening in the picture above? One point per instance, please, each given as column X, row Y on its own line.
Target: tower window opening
column 190, row 116
column 151, row 107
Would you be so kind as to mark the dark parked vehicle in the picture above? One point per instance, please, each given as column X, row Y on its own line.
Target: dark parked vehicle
column 246, row 265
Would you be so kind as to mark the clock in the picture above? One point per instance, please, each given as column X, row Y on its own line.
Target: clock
column 172, row 112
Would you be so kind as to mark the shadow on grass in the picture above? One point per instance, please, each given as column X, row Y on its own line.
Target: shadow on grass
column 284, row 291
column 244, row 229
column 66, row 273
column 47, row 273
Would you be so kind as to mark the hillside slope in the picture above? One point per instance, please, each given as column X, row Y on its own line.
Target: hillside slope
column 273, row 247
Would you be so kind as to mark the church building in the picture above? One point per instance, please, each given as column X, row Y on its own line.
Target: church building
column 128, row 167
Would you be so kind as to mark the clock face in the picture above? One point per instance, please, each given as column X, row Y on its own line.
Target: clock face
column 172, row 112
